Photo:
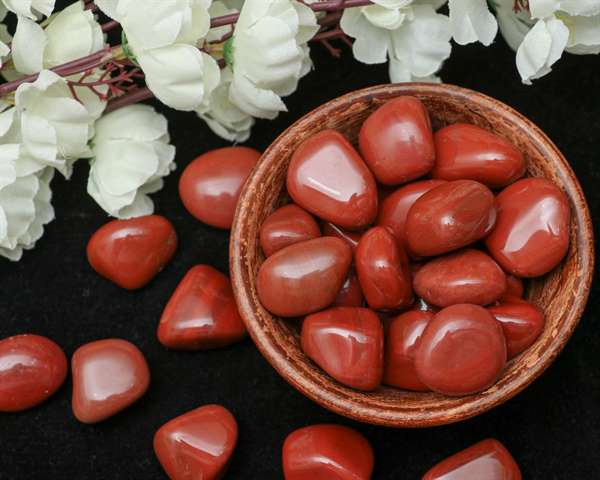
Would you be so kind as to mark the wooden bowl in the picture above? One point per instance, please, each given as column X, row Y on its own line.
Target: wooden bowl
column 562, row 293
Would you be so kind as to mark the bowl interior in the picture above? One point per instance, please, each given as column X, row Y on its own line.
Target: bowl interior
column 561, row 294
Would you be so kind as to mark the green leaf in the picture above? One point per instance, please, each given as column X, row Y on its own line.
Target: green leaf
column 127, row 49
column 228, row 52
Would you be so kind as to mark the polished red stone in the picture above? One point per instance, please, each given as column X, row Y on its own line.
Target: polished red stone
column 394, row 209
column 466, row 151
column 522, row 323
column 466, row 276
column 400, row 346
column 285, row 226
column 32, row 368
column 347, row 343
column 449, row 217
column 108, row 376
column 304, row 277
column 396, row 141
column 461, row 351
column 531, row 235
column 383, row 270
column 351, row 238
column 350, row 295
column 328, row 178
column 198, row 444
column 201, row 313
column 131, row 252
column 486, row 460
column 514, row 288
column 210, row 186
column 327, row 452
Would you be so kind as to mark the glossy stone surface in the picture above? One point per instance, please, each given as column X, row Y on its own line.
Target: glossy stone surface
column 466, row 276
column 285, row 226
column 327, row 452
column 108, row 376
column 466, row 151
column 486, row 460
column 197, row 444
column 450, row 216
column 304, row 277
column 461, row 351
column 394, row 209
column 396, row 141
column 522, row 323
column 383, row 270
column 32, row 368
column 201, row 313
column 514, row 287
column 131, row 252
column 351, row 238
column 328, row 178
column 400, row 346
column 350, row 295
column 210, row 186
column 347, row 343
column 531, row 235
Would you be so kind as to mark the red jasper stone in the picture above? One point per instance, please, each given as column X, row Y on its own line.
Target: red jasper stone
column 449, row 217
column 486, row 460
column 132, row 252
column 108, row 376
column 327, row 452
column 514, row 288
column 396, row 141
column 347, row 343
column 400, row 346
column 350, row 294
column 351, row 238
column 461, row 351
column 522, row 323
column 32, row 368
column 394, row 209
column 304, row 277
column 466, row 151
column 531, row 235
column 285, row 226
column 201, row 313
column 210, row 186
column 383, row 270
column 466, row 276
column 328, row 178
column 198, row 444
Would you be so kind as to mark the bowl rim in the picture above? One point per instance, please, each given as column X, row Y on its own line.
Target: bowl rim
column 360, row 411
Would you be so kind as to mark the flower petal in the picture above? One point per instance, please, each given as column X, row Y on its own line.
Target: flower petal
column 28, row 46
column 471, row 21
column 254, row 101
column 584, row 37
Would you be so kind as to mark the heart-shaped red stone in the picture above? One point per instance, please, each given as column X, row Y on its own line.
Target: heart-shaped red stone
column 197, row 444
column 201, row 313
column 108, row 376
column 131, row 252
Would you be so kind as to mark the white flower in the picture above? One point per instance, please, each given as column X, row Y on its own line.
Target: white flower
column 472, row 21
column 30, row 8
column 5, row 37
column 268, row 54
column 545, row 8
column 513, row 25
column 414, row 37
column 132, row 154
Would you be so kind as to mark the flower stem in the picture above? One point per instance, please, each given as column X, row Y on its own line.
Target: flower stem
column 135, row 96
column 110, row 25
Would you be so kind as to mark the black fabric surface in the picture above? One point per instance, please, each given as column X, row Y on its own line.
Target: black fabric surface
column 552, row 428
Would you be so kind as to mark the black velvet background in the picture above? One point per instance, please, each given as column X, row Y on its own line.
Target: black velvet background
column 552, row 428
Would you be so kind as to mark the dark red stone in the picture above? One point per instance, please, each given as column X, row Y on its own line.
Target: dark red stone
column 531, row 235
column 522, row 323
column 328, row 178
column 514, row 288
column 32, row 368
column 383, row 270
column 351, row 238
column 198, row 444
column 486, row 460
column 131, row 252
column 350, row 294
column 461, row 351
column 201, row 313
column 466, row 151
column 210, row 186
column 285, row 226
column 304, row 277
column 347, row 343
column 396, row 141
column 327, row 452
